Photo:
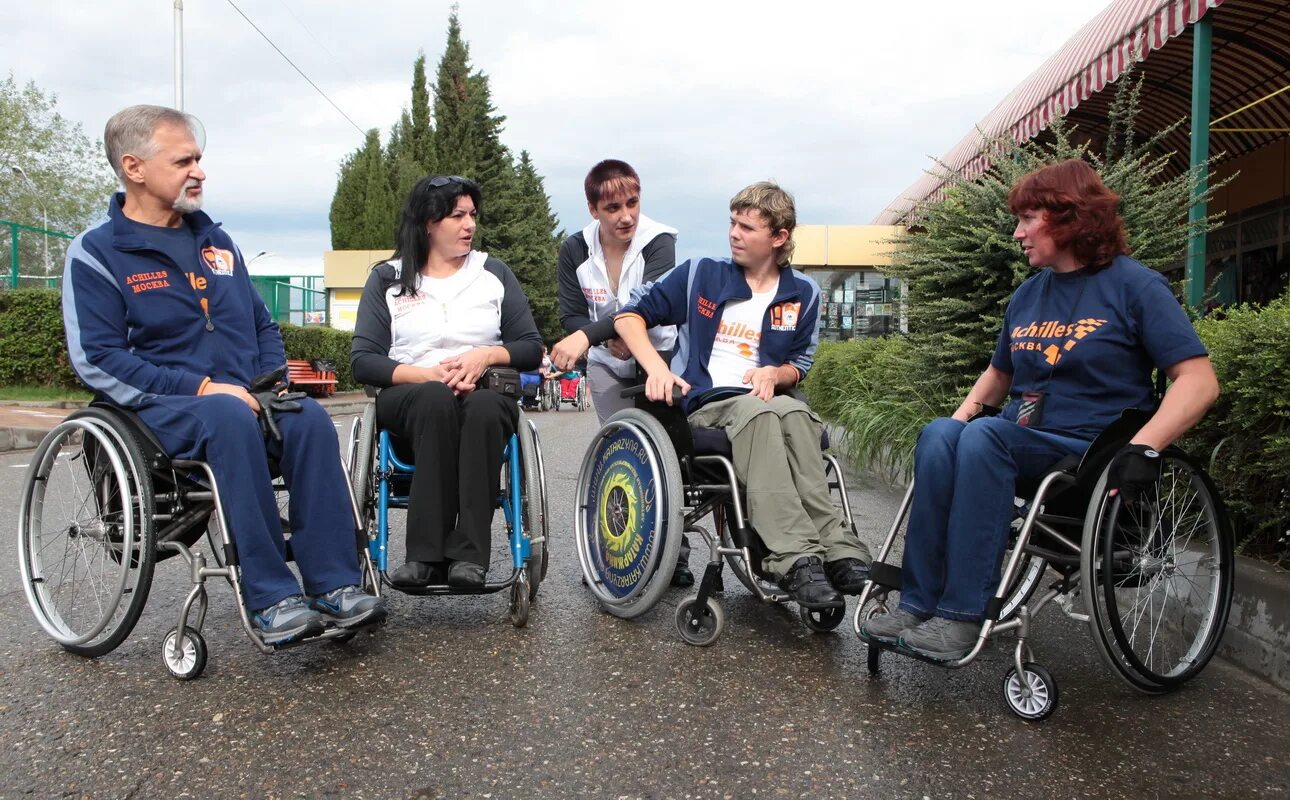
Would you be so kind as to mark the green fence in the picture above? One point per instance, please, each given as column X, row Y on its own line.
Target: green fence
column 297, row 299
column 35, row 255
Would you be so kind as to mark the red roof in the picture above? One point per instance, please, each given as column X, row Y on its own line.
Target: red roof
column 1125, row 32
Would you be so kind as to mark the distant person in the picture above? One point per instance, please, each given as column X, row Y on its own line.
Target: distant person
column 747, row 338
column 162, row 319
column 619, row 251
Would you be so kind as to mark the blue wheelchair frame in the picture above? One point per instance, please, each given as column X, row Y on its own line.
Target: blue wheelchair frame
column 389, row 464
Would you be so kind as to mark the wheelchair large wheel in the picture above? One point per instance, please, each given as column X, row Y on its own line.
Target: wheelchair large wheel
column 1156, row 575
column 87, row 540
column 360, row 458
column 628, row 521
column 534, row 507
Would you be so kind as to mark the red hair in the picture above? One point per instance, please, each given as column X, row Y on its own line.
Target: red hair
column 611, row 178
column 1082, row 214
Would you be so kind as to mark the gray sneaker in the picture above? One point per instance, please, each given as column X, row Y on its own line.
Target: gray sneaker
column 349, row 606
column 887, row 628
column 941, row 639
column 287, row 620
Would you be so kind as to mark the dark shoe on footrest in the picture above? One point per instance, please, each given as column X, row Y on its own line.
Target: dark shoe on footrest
column 414, row 573
column 465, row 575
column 848, row 575
column 809, row 586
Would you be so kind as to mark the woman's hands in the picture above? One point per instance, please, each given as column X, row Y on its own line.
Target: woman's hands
column 462, row 371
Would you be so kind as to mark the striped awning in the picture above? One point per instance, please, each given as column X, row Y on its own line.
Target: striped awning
column 1125, row 33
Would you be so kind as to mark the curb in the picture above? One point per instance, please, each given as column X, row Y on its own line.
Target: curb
column 20, row 438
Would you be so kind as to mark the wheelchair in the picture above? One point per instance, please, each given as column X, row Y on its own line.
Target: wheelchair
column 102, row 504
column 571, row 389
column 647, row 478
column 381, row 470
column 1152, row 578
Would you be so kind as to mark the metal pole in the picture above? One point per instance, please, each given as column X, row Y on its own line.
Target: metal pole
column 1202, row 48
column 13, row 255
column 179, row 54
column 44, row 212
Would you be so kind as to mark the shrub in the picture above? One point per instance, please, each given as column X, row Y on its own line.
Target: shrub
column 33, row 349
column 319, row 342
column 1246, row 435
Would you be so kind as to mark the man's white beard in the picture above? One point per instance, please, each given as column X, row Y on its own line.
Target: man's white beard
column 185, row 204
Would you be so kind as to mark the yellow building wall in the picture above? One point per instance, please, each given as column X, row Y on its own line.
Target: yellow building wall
column 845, row 246
column 347, row 269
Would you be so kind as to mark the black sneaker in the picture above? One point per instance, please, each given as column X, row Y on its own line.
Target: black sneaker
column 809, row 586
column 848, row 575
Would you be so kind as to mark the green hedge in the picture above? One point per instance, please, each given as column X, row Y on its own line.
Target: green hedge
column 1246, row 435
column 319, row 342
column 880, row 391
column 33, row 349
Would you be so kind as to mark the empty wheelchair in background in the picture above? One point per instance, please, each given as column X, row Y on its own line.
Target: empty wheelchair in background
column 647, row 478
column 1151, row 578
column 381, row 472
column 101, row 505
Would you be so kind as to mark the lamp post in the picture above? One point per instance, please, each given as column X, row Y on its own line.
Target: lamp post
column 179, row 54
column 44, row 214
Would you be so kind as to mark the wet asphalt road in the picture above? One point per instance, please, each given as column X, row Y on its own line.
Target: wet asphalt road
column 449, row 700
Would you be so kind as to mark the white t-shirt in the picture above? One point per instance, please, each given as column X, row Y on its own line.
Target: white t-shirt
column 447, row 316
column 735, row 349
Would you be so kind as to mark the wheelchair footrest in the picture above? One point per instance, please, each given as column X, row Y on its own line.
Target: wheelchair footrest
column 885, row 575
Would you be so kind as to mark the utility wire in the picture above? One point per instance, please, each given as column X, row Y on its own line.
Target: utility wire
column 307, row 29
column 297, row 69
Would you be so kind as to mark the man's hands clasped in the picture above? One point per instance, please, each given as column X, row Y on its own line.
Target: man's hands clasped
column 269, row 391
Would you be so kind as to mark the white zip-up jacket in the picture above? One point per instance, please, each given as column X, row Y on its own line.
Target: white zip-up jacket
column 588, row 303
column 482, row 304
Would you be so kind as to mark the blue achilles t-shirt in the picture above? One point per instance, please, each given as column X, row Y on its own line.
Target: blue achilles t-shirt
column 1088, row 341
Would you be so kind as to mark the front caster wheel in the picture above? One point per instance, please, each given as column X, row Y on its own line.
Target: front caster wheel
column 189, row 662
column 822, row 620
column 1033, row 697
column 520, row 601
column 699, row 626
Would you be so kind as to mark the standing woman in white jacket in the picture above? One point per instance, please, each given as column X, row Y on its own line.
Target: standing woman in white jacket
column 620, row 251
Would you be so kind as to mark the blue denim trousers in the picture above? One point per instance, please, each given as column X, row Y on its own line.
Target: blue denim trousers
column 965, row 477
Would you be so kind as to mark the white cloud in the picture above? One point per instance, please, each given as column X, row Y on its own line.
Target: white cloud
column 842, row 102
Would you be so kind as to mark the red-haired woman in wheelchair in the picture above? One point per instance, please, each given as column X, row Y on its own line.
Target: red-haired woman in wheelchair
column 1078, row 345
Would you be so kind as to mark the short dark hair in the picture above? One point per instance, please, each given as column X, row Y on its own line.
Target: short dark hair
column 609, row 178
column 1082, row 214
column 431, row 199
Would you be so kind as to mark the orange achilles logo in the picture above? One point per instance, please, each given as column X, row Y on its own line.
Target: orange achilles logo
column 783, row 317
column 219, row 261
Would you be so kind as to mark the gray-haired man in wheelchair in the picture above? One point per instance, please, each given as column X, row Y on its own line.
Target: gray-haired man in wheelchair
column 162, row 319
column 747, row 337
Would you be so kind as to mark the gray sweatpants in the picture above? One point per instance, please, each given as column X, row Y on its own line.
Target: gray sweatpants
column 776, row 448
column 606, row 391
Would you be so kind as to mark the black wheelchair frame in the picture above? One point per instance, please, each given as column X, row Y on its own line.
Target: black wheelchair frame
column 1104, row 551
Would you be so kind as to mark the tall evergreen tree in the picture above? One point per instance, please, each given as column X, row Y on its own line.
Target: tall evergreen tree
column 536, row 248
column 362, row 210
column 454, row 146
column 417, row 126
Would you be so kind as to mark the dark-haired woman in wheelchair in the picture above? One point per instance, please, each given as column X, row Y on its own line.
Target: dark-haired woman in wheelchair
column 431, row 320
column 1078, row 345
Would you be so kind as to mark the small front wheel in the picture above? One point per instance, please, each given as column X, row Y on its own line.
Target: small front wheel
column 190, row 659
column 822, row 620
column 1033, row 697
column 520, row 600
column 699, row 626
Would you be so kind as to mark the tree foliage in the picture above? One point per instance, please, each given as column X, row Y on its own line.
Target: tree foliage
column 70, row 179
column 463, row 137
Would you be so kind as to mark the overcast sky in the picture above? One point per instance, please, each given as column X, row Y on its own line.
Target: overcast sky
column 843, row 103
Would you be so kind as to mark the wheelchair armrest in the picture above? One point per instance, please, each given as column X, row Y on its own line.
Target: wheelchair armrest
column 986, row 411
column 370, row 390
column 639, row 389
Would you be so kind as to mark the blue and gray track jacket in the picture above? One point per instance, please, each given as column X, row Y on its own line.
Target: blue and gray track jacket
column 135, row 323
column 695, row 294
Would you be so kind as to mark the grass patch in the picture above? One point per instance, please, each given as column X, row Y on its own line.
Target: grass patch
column 41, row 393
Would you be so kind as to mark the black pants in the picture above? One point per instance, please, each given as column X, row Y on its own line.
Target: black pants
column 457, row 445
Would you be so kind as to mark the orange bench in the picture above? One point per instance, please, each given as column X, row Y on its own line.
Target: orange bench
column 301, row 375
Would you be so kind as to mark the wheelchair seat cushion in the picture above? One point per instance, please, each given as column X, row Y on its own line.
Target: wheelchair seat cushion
column 714, row 442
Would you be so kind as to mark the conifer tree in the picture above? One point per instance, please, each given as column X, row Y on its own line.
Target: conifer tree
column 455, row 146
column 363, row 207
column 417, row 126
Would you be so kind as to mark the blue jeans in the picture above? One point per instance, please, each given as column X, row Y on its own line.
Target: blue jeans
column 965, row 477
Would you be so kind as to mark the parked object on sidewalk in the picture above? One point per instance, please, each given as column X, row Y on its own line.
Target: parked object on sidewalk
column 317, row 378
